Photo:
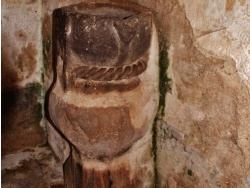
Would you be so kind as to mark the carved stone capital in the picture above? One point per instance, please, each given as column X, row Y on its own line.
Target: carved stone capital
column 105, row 95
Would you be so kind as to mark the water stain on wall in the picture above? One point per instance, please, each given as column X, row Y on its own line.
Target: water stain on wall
column 230, row 5
column 21, row 35
column 242, row 2
column 212, row 86
column 26, row 61
column 9, row 75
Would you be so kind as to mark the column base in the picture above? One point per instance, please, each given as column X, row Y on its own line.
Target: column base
column 134, row 169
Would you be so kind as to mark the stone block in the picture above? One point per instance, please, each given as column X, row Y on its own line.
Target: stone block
column 21, row 50
column 22, row 70
column 21, row 119
column 208, row 107
column 105, row 95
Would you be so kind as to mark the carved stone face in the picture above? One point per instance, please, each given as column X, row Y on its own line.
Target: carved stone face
column 106, row 93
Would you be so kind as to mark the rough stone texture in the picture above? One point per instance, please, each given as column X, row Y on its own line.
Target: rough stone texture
column 58, row 144
column 204, row 137
column 21, row 49
column 56, row 141
column 105, row 127
column 21, row 73
column 35, row 167
column 21, row 117
column 96, row 134
column 222, row 30
column 91, row 66
column 116, row 173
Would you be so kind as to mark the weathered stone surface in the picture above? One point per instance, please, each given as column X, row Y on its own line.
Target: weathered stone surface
column 96, row 131
column 209, row 102
column 105, row 94
column 56, row 141
column 59, row 145
column 207, row 95
column 222, row 31
column 21, row 60
column 21, row 68
column 77, row 176
column 120, row 55
column 121, row 172
column 79, row 118
column 33, row 167
column 100, row 178
column 21, row 117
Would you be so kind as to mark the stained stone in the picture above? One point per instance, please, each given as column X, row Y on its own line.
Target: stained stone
column 105, row 92
column 21, row 117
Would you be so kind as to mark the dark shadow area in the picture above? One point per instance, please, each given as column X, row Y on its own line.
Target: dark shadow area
column 21, row 116
column 21, row 111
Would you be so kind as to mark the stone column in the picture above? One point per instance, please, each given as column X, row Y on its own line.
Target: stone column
column 105, row 93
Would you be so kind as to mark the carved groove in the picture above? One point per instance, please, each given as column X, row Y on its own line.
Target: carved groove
column 110, row 73
column 93, row 86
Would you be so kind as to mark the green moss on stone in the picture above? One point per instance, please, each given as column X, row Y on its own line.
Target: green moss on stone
column 164, row 85
column 154, row 151
column 190, row 172
column 37, row 86
column 37, row 89
column 46, row 50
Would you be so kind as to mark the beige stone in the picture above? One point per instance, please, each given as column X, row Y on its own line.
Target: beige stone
column 21, row 49
column 209, row 71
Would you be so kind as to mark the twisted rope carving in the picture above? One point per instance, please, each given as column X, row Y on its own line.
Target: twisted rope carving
column 110, row 73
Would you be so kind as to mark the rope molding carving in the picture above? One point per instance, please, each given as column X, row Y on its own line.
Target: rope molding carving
column 110, row 73
column 97, row 79
column 105, row 96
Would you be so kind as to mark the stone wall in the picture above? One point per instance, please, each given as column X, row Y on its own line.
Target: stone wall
column 203, row 132
column 203, row 136
column 22, row 73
